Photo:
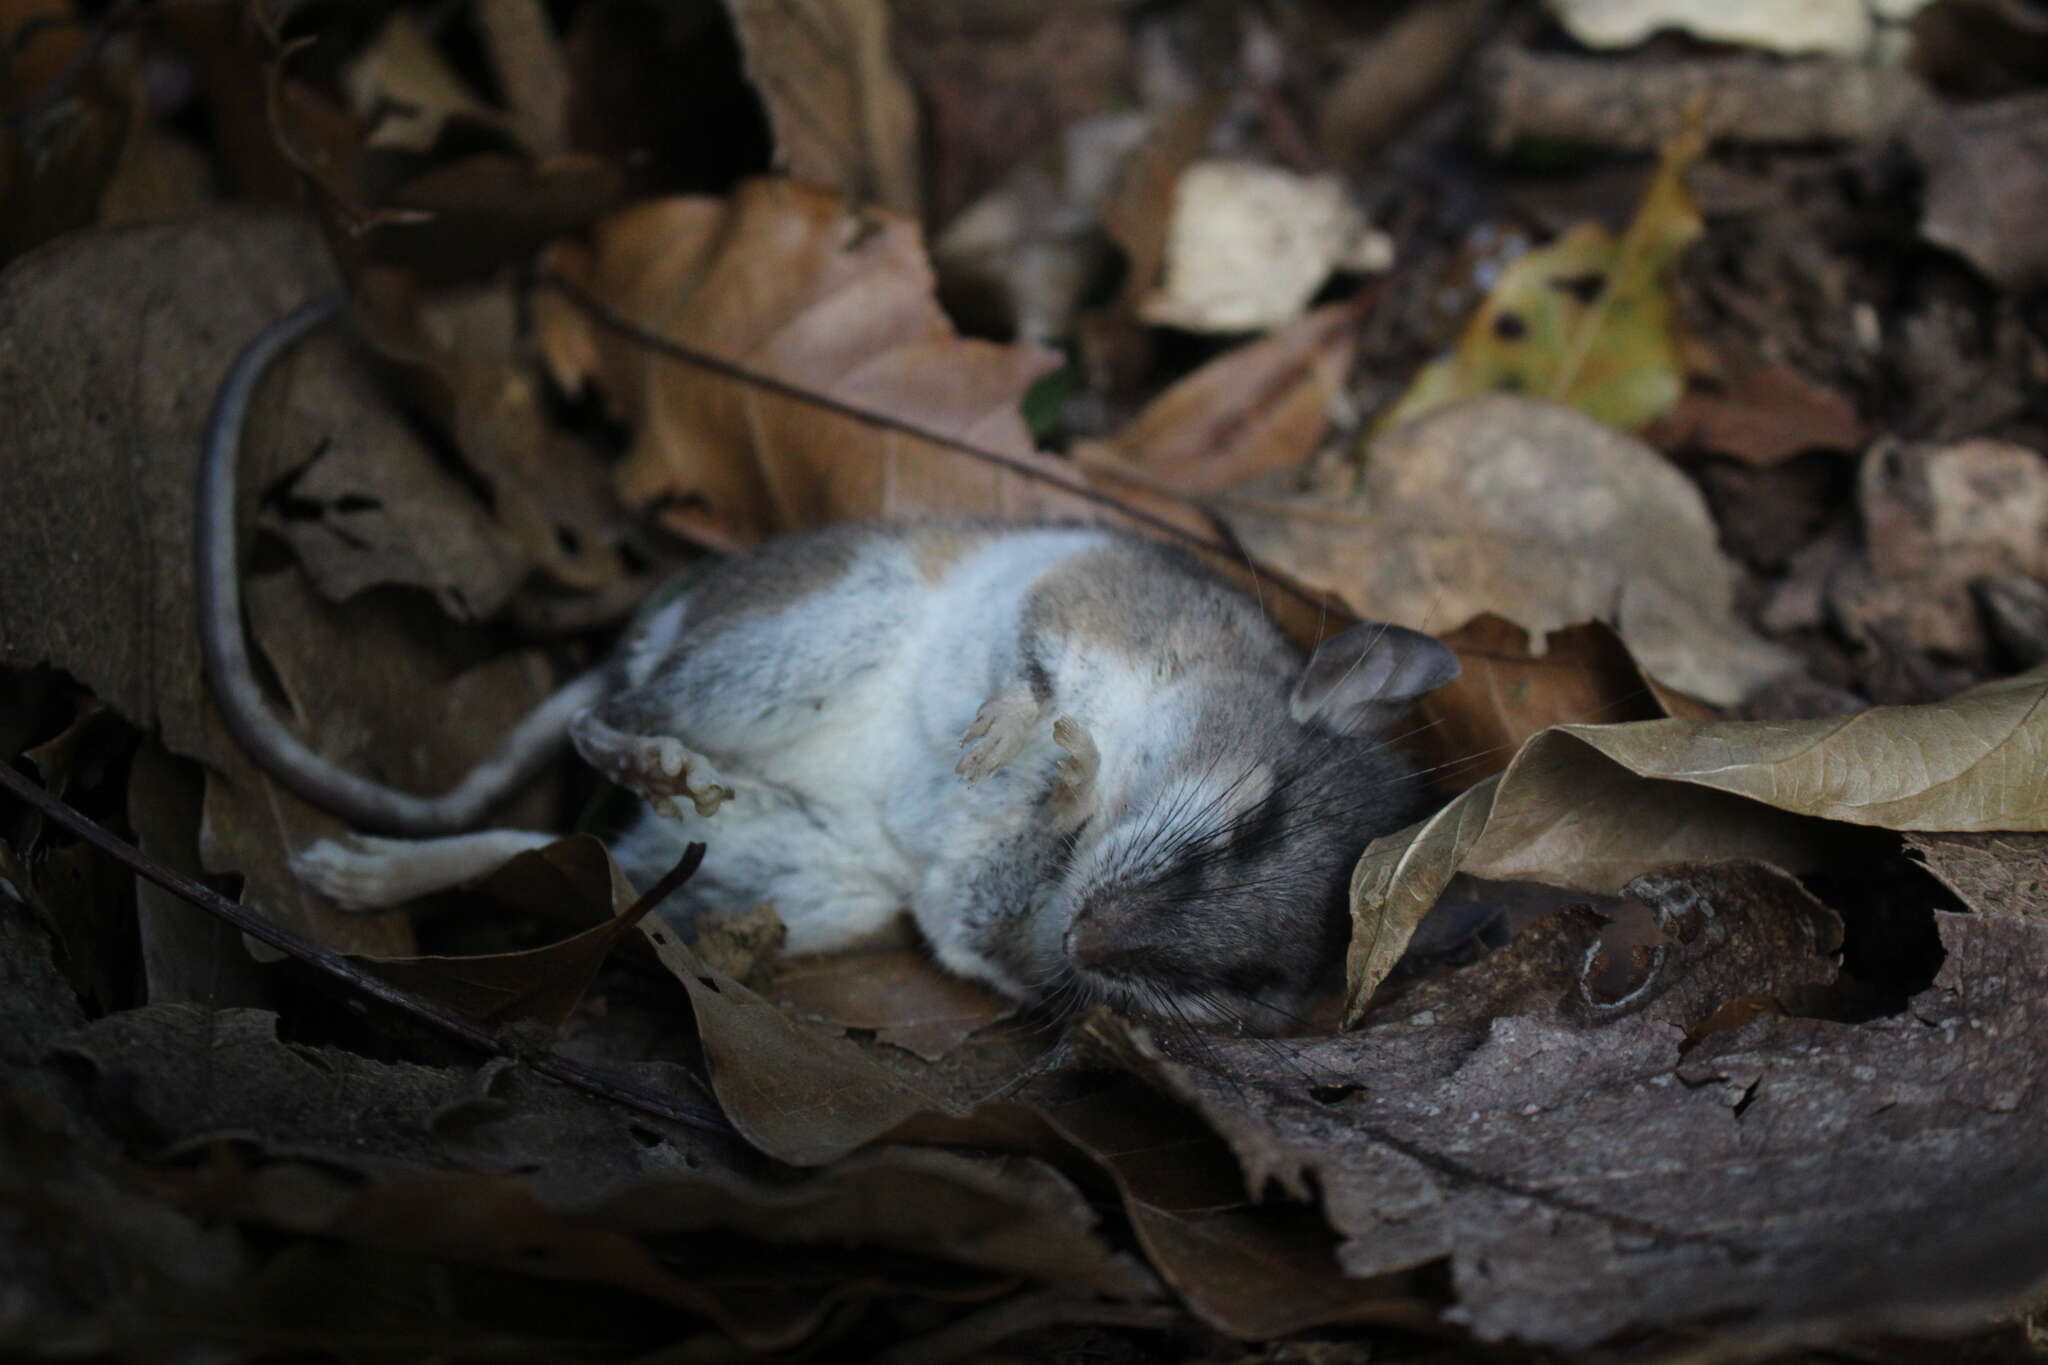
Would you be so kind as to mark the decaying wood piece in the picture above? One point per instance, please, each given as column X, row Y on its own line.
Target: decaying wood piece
column 1637, row 105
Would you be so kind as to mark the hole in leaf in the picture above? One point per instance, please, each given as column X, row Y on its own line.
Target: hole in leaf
column 1584, row 288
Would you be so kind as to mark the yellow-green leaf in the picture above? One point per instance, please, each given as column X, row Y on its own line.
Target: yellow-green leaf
column 1584, row 321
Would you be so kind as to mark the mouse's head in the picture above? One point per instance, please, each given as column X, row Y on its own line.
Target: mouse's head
column 1213, row 886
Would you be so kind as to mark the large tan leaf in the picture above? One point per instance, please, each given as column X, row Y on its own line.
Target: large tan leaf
column 791, row 282
column 1589, row 807
column 1535, row 513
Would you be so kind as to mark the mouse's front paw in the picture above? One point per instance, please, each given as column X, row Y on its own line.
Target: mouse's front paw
column 356, row 871
column 1074, row 771
column 1006, row 723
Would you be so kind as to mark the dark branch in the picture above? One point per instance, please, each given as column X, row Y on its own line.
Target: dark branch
column 614, row 1088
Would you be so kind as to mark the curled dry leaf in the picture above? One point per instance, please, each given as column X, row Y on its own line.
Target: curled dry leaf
column 67, row 118
column 1585, row 321
column 1589, row 807
column 797, row 1094
column 792, row 282
column 1539, row 515
column 540, row 985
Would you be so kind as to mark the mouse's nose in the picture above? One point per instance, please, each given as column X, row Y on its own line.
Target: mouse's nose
column 1100, row 936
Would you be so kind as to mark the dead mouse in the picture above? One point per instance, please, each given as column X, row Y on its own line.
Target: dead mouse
column 1086, row 766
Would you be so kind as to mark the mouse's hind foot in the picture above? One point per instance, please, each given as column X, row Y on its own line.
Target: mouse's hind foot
column 655, row 768
column 363, row 872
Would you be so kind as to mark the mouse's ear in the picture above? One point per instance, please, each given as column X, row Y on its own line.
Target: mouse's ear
column 1363, row 680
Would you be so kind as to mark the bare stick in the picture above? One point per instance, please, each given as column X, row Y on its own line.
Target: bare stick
column 552, row 1065
column 1637, row 105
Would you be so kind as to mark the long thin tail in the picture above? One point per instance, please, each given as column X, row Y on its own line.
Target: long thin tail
column 525, row 751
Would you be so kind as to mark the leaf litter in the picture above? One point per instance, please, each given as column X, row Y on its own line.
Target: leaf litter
column 1759, row 1085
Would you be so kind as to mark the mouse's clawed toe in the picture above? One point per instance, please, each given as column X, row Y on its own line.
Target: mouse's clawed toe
column 1005, row 725
column 354, row 871
column 655, row 768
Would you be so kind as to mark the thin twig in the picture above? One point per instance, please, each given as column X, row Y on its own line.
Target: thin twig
column 716, row 364
column 614, row 1088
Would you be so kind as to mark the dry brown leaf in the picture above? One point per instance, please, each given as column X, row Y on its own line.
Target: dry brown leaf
column 1470, row 728
column 842, row 114
column 576, row 878
column 1256, row 409
column 1021, row 259
column 161, row 176
column 1537, row 514
column 789, row 281
column 1761, row 416
column 1248, row 1269
column 1393, row 76
column 361, row 498
column 449, row 222
column 185, row 957
column 416, row 1166
column 66, row 117
column 532, row 70
column 1936, row 520
column 1985, row 189
column 547, row 489
column 799, row 1095
column 1139, row 210
column 898, row 993
column 1589, row 807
